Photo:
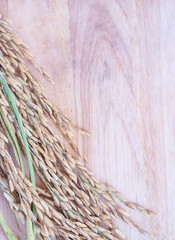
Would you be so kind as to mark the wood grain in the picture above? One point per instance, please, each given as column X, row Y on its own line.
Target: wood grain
column 113, row 64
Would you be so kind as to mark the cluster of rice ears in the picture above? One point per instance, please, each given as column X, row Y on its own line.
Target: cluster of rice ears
column 73, row 204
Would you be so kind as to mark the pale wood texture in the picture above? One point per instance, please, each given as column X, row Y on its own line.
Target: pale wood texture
column 113, row 64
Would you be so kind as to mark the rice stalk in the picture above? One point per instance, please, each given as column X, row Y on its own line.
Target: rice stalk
column 91, row 189
column 7, row 230
column 30, row 231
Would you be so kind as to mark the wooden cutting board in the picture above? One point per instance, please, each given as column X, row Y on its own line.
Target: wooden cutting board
column 113, row 65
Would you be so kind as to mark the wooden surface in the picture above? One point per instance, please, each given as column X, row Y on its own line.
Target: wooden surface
column 113, row 64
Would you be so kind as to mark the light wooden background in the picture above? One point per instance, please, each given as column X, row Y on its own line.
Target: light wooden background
column 113, row 64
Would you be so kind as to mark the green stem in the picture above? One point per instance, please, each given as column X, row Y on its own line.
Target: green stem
column 13, row 140
column 31, row 232
column 7, row 230
column 11, row 100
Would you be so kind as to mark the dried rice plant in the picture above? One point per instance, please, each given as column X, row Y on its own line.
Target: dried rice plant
column 73, row 204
